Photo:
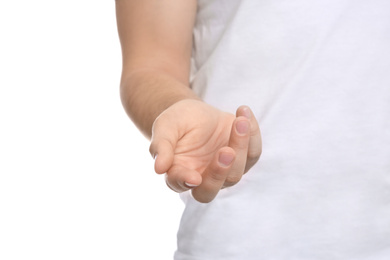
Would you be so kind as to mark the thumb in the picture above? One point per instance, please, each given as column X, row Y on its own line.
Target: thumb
column 163, row 144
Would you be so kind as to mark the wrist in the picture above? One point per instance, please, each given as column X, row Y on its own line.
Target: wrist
column 146, row 94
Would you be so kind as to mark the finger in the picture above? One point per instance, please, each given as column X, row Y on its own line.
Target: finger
column 180, row 179
column 255, row 143
column 163, row 152
column 162, row 146
column 214, row 176
column 239, row 141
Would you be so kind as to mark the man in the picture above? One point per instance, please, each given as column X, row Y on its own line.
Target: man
column 315, row 75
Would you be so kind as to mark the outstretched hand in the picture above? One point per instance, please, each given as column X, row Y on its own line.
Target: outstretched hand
column 204, row 149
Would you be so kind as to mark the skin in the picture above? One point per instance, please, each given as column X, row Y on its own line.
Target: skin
column 196, row 146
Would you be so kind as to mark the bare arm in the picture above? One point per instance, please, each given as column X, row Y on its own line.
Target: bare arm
column 156, row 40
column 199, row 147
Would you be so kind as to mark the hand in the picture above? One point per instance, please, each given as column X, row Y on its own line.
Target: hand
column 204, row 149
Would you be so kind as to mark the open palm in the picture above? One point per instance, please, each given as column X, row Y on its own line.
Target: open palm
column 203, row 148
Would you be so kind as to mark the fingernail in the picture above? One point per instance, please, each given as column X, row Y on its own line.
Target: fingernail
column 190, row 185
column 242, row 127
column 225, row 159
column 246, row 112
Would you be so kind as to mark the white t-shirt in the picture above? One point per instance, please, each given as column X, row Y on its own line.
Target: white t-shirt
column 317, row 75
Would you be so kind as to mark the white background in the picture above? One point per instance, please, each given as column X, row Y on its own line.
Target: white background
column 76, row 178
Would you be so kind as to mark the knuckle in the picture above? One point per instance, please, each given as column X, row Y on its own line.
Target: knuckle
column 203, row 196
column 203, row 200
column 169, row 186
column 217, row 177
column 240, row 143
column 232, row 180
column 254, row 153
column 253, row 159
column 172, row 183
column 250, row 162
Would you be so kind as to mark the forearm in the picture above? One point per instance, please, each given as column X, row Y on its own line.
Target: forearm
column 146, row 93
column 156, row 40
